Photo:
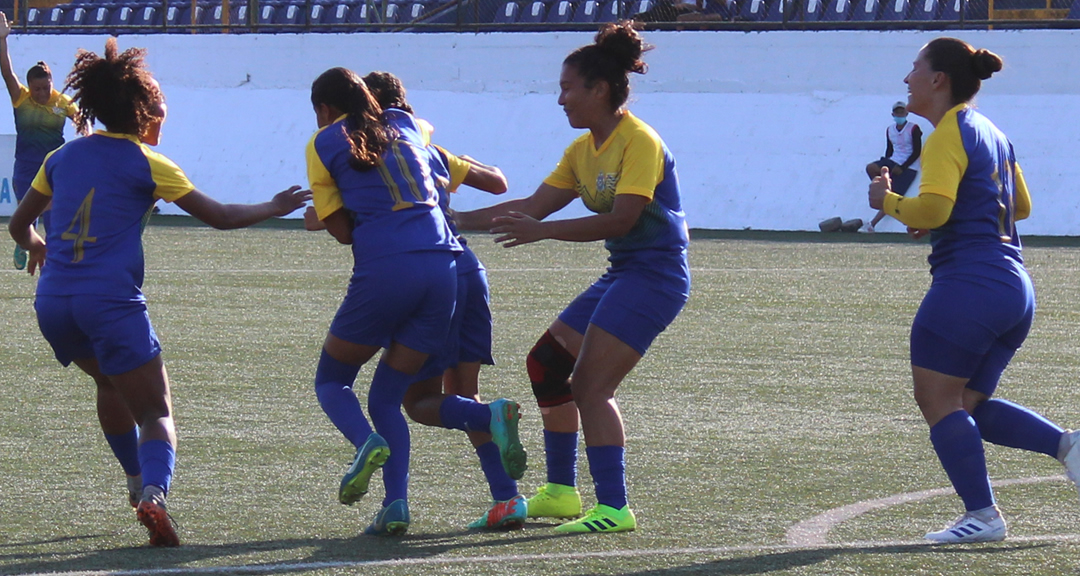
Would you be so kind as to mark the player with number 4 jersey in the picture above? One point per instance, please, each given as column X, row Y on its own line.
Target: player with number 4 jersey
column 90, row 306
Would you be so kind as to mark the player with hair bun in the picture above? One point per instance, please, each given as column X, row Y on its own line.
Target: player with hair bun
column 981, row 302
column 40, row 113
column 623, row 172
column 90, row 304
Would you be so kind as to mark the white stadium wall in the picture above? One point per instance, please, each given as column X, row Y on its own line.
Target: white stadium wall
column 770, row 130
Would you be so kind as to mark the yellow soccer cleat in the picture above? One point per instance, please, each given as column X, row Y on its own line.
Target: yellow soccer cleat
column 601, row 519
column 555, row 501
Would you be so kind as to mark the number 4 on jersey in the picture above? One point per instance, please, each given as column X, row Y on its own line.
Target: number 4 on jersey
column 81, row 226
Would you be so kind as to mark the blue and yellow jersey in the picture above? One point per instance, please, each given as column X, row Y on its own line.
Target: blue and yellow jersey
column 40, row 129
column 101, row 186
column 633, row 160
column 968, row 160
column 395, row 205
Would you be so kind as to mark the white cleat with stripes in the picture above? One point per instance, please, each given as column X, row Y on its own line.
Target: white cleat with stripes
column 970, row 529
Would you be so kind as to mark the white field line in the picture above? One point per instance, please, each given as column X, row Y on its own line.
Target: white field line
column 455, row 560
column 815, row 531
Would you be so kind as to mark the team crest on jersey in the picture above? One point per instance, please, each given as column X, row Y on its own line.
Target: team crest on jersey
column 58, row 111
column 606, row 182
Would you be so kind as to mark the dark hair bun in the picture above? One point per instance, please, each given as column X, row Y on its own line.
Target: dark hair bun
column 623, row 44
column 985, row 63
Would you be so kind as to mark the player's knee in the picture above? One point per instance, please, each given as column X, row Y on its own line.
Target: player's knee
column 550, row 365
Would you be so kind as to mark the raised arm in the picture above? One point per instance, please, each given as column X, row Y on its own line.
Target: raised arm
column 232, row 216
column 544, row 202
column 10, row 80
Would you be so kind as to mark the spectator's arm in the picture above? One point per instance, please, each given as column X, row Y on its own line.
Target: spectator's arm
column 888, row 145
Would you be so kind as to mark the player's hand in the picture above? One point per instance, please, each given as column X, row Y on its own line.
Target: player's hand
column 311, row 220
column 881, row 186
column 5, row 28
column 516, row 229
column 916, row 233
column 35, row 254
column 287, row 201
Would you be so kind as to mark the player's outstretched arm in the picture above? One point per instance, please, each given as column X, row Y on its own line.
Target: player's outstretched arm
column 544, row 202
column 232, row 216
column 516, row 228
column 21, row 227
column 10, row 80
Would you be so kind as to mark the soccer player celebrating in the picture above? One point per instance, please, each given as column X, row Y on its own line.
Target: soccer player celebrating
column 90, row 304
column 450, row 398
column 373, row 189
column 623, row 172
column 981, row 302
column 40, row 113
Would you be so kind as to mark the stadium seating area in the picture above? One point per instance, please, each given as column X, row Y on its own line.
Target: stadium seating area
column 143, row 16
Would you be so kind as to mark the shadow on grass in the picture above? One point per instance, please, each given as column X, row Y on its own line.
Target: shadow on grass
column 308, row 553
column 777, row 561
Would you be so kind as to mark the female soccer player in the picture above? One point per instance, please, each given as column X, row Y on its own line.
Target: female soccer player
column 621, row 170
column 373, row 188
column 90, row 304
column 447, row 398
column 40, row 113
column 981, row 302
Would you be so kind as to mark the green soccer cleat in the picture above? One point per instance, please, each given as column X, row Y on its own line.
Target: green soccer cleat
column 555, row 501
column 393, row 520
column 369, row 458
column 504, row 514
column 504, row 433
column 601, row 519
column 21, row 257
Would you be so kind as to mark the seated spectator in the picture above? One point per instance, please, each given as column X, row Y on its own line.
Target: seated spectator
column 903, row 144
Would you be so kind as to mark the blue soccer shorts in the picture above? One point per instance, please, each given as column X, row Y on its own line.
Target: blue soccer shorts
column 971, row 323
column 634, row 302
column 114, row 331
column 408, row 298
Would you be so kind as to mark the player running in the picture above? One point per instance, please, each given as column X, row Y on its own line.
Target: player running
column 623, row 171
column 981, row 302
column 40, row 113
column 90, row 304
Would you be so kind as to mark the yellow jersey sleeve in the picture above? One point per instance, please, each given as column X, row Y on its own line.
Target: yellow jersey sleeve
column 24, row 93
column 458, row 168
column 325, row 195
column 171, row 183
column 1023, row 196
column 944, row 159
column 563, row 176
column 642, row 165
column 41, row 182
column 426, row 130
column 70, row 108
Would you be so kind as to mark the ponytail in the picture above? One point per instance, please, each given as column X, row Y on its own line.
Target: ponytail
column 369, row 138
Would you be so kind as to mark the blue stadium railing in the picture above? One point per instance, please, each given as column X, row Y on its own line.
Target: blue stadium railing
column 272, row 16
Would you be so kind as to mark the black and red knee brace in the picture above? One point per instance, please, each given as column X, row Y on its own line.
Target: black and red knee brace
column 550, row 365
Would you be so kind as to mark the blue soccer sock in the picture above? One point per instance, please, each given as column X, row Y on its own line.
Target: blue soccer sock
column 608, row 468
column 388, row 388
column 561, row 450
column 157, row 459
column 501, row 485
column 959, row 447
column 460, row 413
column 333, row 386
column 126, row 449
column 1006, row 424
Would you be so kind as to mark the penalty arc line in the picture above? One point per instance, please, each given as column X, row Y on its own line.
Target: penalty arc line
column 815, row 531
